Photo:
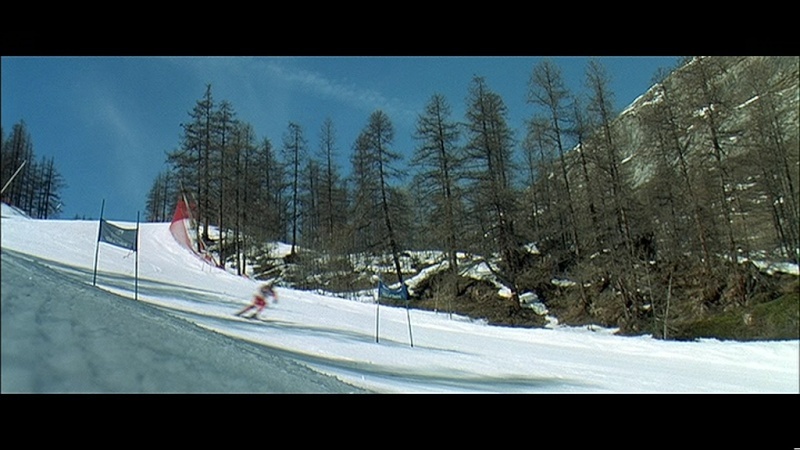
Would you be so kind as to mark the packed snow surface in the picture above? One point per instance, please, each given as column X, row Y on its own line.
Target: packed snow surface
column 365, row 345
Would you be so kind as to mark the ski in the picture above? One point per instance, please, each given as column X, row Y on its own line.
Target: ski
column 252, row 317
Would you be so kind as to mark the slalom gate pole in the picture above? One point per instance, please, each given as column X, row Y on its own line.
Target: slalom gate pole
column 408, row 316
column 377, row 313
column 97, row 247
column 136, row 270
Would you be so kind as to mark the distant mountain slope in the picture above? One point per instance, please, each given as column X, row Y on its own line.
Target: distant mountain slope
column 754, row 101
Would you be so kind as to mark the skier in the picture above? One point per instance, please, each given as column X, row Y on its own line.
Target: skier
column 260, row 300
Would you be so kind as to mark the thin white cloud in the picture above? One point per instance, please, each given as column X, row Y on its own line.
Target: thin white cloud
column 358, row 97
column 121, row 128
column 125, row 144
column 282, row 80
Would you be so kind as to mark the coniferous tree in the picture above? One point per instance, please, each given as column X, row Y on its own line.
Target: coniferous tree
column 310, row 199
column 294, row 148
column 580, row 128
column 203, row 127
column 161, row 198
column 666, row 124
column 17, row 157
column 32, row 180
column 439, row 160
column 379, row 136
column 547, row 91
column 626, row 265
column 365, row 201
column 51, row 190
column 665, row 203
column 269, row 183
column 332, row 198
column 609, row 161
column 491, row 196
column 532, row 198
column 327, row 145
column 192, row 161
column 771, row 137
column 184, row 163
column 243, row 148
column 222, row 166
column 707, row 109
column 204, row 117
column 545, row 215
column 401, row 211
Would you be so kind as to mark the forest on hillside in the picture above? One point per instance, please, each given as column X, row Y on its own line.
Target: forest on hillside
column 653, row 212
column 30, row 184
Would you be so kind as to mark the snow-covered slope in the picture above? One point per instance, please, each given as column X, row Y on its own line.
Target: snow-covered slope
column 371, row 347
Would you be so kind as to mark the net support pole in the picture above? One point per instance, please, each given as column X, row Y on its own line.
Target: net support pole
column 408, row 317
column 377, row 313
column 136, row 270
column 97, row 245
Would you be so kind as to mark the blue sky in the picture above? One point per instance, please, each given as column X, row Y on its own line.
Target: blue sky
column 109, row 121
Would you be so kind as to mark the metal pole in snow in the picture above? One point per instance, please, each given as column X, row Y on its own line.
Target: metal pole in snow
column 136, row 272
column 408, row 316
column 377, row 313
column 97, row 248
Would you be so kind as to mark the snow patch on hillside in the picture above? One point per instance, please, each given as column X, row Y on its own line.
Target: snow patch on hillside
column 12, row 211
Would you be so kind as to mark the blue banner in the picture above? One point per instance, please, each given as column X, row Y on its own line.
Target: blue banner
column 386, row 292
column 121, row 237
